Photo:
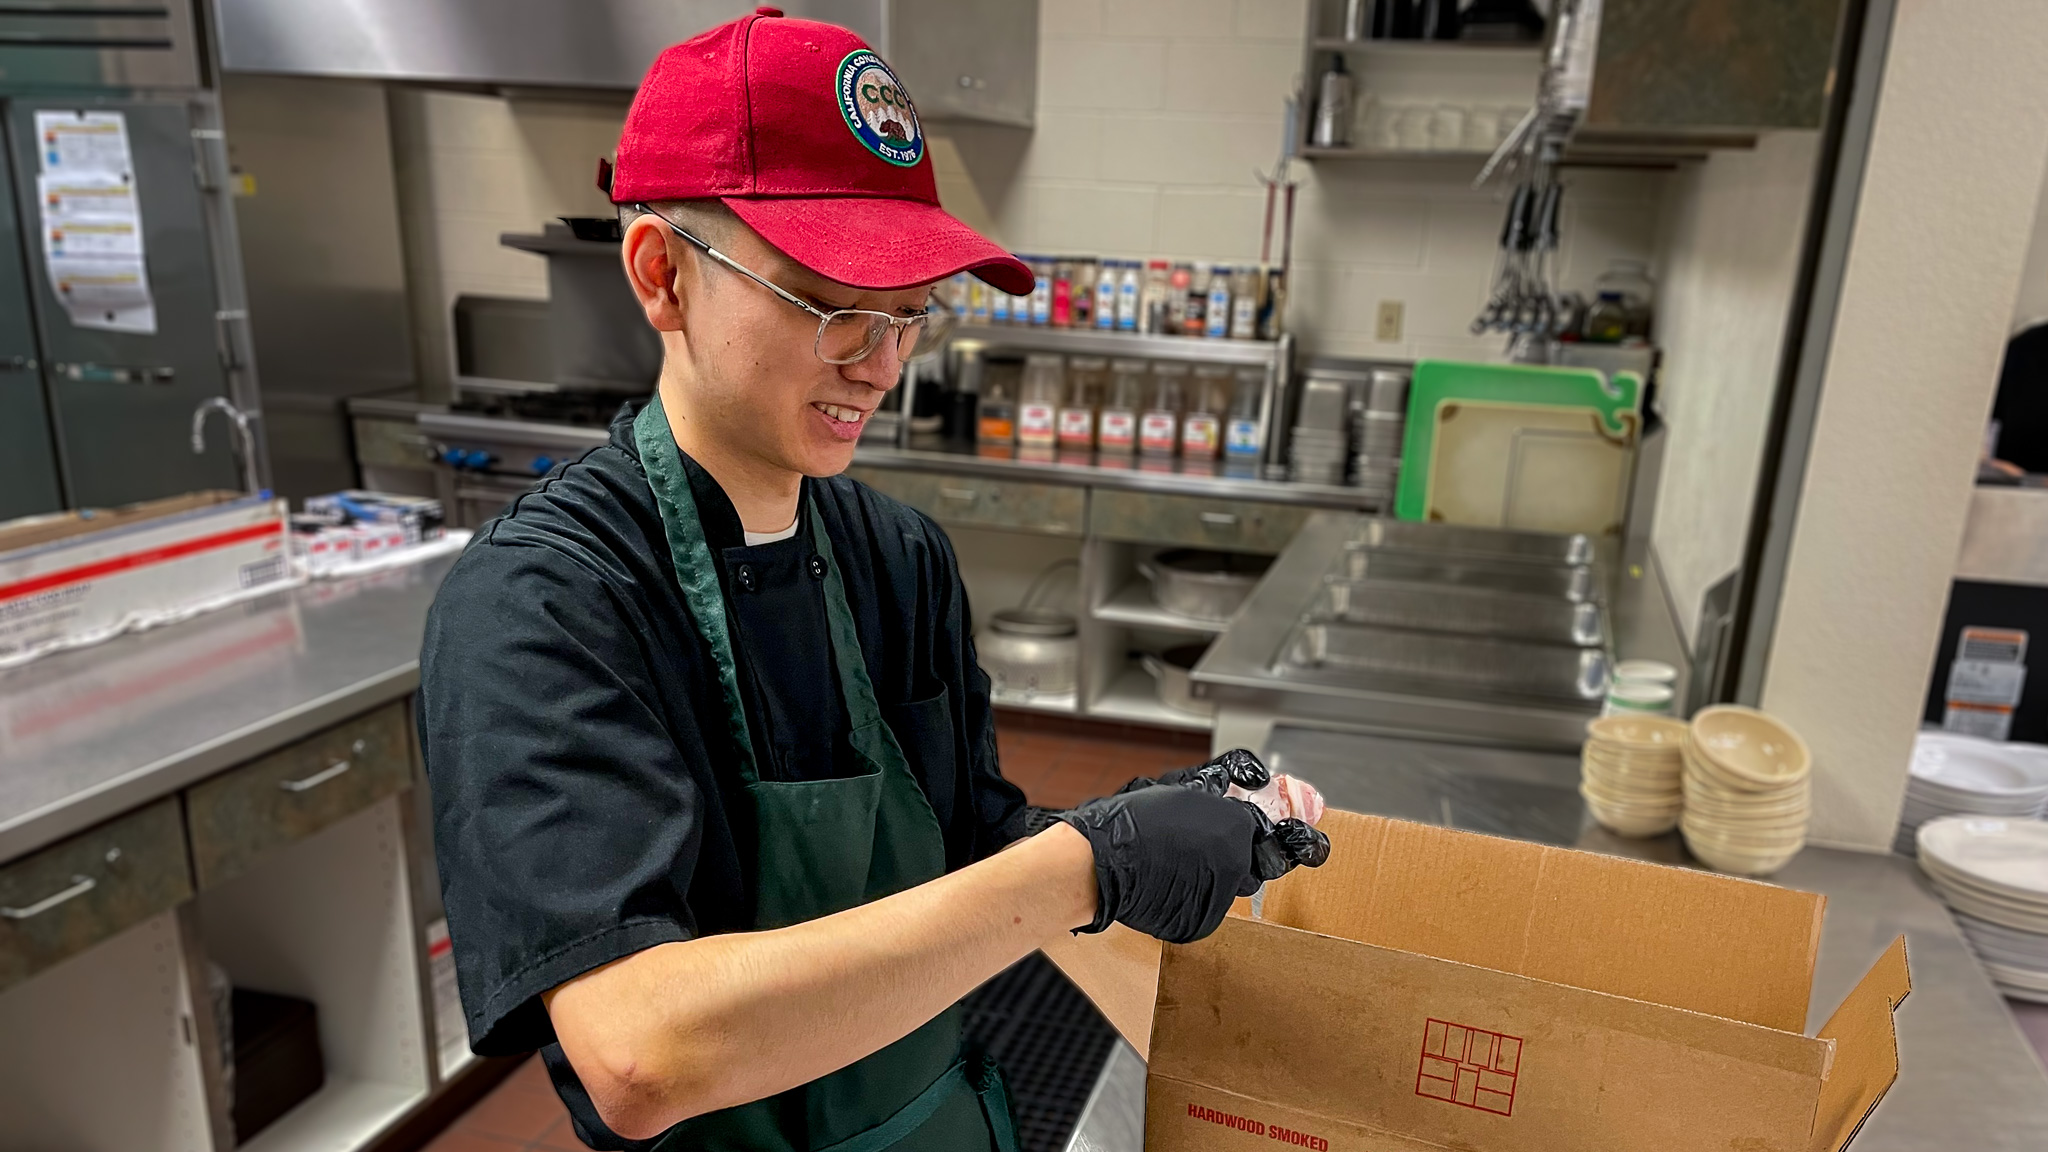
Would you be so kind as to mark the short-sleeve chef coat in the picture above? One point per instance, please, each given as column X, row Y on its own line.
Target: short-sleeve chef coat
column 584, row 802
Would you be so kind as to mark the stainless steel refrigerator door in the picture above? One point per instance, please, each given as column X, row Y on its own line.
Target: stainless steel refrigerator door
column 28, row 460
column 123, row 402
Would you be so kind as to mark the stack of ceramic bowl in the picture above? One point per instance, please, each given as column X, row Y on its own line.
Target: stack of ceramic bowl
column 1630, row 773
column 1994, row 874
column 1378, row 415
column 1747, row 790
column 1957, row 775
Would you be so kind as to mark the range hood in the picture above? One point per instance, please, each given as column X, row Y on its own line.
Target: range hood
column 962, row 59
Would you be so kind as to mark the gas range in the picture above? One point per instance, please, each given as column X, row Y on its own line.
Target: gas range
column 488, row 448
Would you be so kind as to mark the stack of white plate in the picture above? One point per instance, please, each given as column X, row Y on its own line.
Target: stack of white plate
column 1747, row 784
column 1953, row 775
column 1630, row 773
column 1994, row 874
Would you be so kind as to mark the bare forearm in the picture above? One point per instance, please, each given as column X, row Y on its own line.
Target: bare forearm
column 687, row 1028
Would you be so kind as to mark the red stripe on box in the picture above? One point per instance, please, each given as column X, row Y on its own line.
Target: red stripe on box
column 135, row 560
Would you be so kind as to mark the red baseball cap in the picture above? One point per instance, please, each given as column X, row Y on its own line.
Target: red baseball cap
column 807, row 135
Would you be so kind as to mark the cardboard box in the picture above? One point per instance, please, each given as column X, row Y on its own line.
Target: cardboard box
column 1429, row 988
column 80, row 577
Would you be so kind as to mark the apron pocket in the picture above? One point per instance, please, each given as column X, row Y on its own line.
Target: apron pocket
column 818, row 861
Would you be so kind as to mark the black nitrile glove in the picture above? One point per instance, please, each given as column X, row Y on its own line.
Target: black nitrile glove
column 1237, row 766
column 1168, row 860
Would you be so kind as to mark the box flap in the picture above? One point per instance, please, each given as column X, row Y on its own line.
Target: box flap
column 1118, row 969
column 33, row 530
column 1866, row 1049
column 1466, row 1057
column 1673, row 936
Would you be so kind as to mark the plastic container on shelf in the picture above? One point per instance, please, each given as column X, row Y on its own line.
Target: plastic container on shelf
column 1244, row 303
column 996, row 412
column 1152, row 297
column 1159, row 426
column 999, row 304
column 1629, row 281
column 1180, row 282
column 1127, row 296
column 1195, row 312
column 1216, row 306
column 1038, row 401
column 1084, row 293
column 1087, row 380
column 1063, row 293
column 1041, row 293
column 1117, row 424
column 1105, row 293
column 1243, row 435
column 1208, row 401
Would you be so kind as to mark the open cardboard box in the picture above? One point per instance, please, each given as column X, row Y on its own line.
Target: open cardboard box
column 1429, row 988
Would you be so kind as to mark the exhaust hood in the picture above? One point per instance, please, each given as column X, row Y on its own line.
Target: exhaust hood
column 963, row 59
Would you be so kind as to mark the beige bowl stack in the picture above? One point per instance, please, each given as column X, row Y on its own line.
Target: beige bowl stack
column 1747, row 790
column 1630, row 773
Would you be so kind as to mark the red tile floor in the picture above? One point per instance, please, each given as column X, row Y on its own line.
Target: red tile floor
column 1058, row 762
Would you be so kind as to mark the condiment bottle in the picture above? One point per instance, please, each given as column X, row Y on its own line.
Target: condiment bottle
column 1216, row 311
column 978, row 298
column 1085, row 377
column 1159, row 427
column 1152, row 297
column 1195, row 312
column 1041, row 292
column 1241, row 433
column 1084, row 293
column 1038, row 407
column 1063, row 294
column 1244, row 303
column 996, row 415
column 1118, row 424
column 1127, row 297
column 1201, row 428
column 1179, row 283
column 998, row 306
column 1105, row 295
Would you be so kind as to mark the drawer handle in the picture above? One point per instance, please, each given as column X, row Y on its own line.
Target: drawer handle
column 1220, row 519
column 317, row 778
column 960, row 493
column 80, row 885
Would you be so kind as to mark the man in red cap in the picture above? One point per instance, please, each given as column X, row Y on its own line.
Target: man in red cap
column 718, row 817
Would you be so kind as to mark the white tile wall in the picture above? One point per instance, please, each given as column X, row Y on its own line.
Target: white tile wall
column 1153, row 115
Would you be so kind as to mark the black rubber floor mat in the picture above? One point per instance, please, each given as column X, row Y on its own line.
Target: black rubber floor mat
column 1050, row 1042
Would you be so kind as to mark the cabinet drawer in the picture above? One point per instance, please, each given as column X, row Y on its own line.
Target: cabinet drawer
column 971, row 501
column 65, row 898
column 296, row 791
column 1231, row 525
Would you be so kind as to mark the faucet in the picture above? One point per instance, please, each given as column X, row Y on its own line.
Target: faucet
column 245, row 440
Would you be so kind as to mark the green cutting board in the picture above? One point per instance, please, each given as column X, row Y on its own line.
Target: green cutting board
column 1442, row 385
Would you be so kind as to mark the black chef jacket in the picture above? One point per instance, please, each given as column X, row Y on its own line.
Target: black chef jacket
column 585, row 803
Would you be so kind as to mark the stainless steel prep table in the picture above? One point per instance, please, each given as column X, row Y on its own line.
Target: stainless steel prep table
column 90, row 734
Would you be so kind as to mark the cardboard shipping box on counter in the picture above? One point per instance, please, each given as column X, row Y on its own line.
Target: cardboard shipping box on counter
column 74, row 578
column 1429, row 988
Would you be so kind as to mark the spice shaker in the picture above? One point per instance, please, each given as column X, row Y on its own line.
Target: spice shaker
column 1333, row 107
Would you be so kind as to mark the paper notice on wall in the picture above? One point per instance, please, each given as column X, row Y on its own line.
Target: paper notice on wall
column 92, row 221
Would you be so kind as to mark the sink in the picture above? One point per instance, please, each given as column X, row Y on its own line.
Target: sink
column 1464, row 610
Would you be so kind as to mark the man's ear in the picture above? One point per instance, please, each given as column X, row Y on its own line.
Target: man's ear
column 645, row 252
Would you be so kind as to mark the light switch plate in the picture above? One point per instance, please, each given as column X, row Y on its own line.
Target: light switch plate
column 1388, row 330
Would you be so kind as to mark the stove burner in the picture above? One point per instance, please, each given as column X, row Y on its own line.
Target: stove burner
column 581, row 409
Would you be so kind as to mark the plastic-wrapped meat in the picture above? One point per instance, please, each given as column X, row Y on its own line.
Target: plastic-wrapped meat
column 1285, row 797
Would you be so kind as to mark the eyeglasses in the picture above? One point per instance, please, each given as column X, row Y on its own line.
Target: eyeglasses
column 848, row 335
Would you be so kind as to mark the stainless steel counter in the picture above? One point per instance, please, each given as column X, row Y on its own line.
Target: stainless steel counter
column 1968, row 1079
column 87, row 735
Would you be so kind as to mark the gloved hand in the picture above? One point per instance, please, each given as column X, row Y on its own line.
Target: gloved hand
column 1169, row 858
column 1237, row 766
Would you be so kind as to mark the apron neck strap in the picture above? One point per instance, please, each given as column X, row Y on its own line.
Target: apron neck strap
column 854, row 686
column 696, row 573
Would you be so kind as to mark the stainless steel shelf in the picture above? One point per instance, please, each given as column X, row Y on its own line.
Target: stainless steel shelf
column 1090, row 342
column 1462, row 49
column 1133, row 607
column 1059, row 469
column 1133, row 698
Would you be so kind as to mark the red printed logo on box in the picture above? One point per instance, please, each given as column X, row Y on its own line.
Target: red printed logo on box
column 1469, row 1066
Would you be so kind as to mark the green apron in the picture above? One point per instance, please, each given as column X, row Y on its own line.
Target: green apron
column 825, row 846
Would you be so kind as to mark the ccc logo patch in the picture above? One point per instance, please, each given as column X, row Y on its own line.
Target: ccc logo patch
column 878, row 110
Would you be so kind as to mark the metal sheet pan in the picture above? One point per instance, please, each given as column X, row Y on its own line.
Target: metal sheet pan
column 1575, row 583
column 1504, row 543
